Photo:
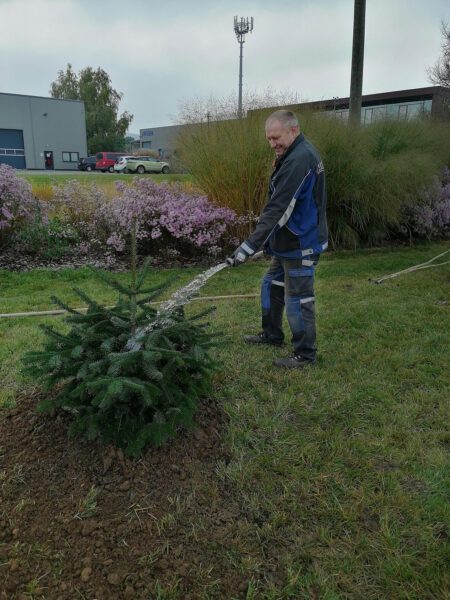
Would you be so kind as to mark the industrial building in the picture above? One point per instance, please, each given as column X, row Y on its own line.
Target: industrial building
column 41, row 133
column 161, row 139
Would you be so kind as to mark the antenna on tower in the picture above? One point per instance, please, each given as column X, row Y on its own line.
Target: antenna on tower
column 242, row 26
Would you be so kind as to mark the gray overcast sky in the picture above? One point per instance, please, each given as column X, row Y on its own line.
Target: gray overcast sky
column 159, row 54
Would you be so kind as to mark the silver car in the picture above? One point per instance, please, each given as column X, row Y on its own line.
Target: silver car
column 141, row 164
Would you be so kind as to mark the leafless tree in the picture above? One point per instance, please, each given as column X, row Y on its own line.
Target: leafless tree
column 203, row 110
column 439, row 74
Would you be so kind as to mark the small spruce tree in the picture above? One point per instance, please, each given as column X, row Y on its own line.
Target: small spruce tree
column 127, row 398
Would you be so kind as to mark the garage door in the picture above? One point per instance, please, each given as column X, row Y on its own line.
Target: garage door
column 11, row 148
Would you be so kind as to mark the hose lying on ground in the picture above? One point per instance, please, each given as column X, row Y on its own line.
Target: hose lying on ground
column 48, row 313
column 425, row 265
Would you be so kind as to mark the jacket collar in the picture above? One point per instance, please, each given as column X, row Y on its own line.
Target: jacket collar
column 298, row 140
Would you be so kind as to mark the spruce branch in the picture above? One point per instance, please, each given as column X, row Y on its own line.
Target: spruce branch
column 111, row 281
column 143, row 273
column 63, row 305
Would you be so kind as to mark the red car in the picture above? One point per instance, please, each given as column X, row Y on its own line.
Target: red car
column 106, row 160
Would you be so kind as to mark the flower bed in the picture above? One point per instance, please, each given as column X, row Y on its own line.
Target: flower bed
column 172, row 222
column 167, row 218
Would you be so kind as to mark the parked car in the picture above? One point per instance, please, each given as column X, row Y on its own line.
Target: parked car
column 106, row 160
column 87, row 163
column 141, row 164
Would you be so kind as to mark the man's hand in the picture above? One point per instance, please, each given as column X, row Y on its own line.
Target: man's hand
column 240, row 255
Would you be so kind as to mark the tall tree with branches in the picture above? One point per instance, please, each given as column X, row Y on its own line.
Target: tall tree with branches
column 105, row 128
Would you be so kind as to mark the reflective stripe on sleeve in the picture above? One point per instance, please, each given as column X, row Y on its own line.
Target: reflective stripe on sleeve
column 247, row 248
column 285, row 218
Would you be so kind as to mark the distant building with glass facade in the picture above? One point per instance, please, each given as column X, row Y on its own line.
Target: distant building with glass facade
column 403, row 104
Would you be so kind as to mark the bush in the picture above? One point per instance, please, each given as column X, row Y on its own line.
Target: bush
column 231, row 160
column 77, row 205
column 51, row 238
column 127, row 398
column 429, row 217
column 172, row 218
column 371, row 171
column 167, row 218
column 44, row 191
column 18, row 205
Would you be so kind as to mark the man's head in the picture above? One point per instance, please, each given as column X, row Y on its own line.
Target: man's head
column 281, row 130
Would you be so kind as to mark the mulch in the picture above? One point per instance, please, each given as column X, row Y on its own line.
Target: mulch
column 164, row 519
column 12, row 260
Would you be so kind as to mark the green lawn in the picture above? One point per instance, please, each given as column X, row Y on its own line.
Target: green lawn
column 99, row 178
column 345, row 465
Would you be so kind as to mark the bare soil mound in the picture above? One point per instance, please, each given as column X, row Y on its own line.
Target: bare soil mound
column 80, row 520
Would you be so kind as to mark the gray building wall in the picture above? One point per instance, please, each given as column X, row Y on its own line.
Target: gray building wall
column 160, row 138
column 47, row 124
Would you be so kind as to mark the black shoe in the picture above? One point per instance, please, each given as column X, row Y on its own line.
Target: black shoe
column 295, row 361
column 261, row 338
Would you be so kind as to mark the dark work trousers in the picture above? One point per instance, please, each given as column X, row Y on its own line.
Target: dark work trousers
column 290, row 282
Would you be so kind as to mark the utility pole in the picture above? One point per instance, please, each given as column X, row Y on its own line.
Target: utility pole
column 241, row 28
column 359, row 19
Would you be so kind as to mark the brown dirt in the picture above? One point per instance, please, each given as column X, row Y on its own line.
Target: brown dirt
column 162, row 520
column 12, row 260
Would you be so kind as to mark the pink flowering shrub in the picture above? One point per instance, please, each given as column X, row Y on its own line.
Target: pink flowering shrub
column 168, row 219
column 76, row 205
column 430, row 217
column 18, row 205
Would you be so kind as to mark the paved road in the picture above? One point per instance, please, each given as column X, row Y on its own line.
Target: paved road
column 51, row 173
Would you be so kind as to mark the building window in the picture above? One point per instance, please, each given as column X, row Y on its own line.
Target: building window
column 368, row 116
column 12, row 151
column 374, row 114
column 415, row 109
column 342, row 114
column 70, row 156
column 379, row 112
column 403, row 111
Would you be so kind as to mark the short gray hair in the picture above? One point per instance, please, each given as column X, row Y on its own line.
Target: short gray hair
column 287, row 118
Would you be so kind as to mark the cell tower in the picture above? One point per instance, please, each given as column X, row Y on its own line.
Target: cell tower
column 241, row 28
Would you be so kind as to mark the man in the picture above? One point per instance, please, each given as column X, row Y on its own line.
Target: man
column 293, row 230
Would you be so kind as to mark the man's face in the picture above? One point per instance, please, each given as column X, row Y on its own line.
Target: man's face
column 279, row 137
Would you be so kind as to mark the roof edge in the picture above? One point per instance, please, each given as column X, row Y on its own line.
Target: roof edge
column 41, row 97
